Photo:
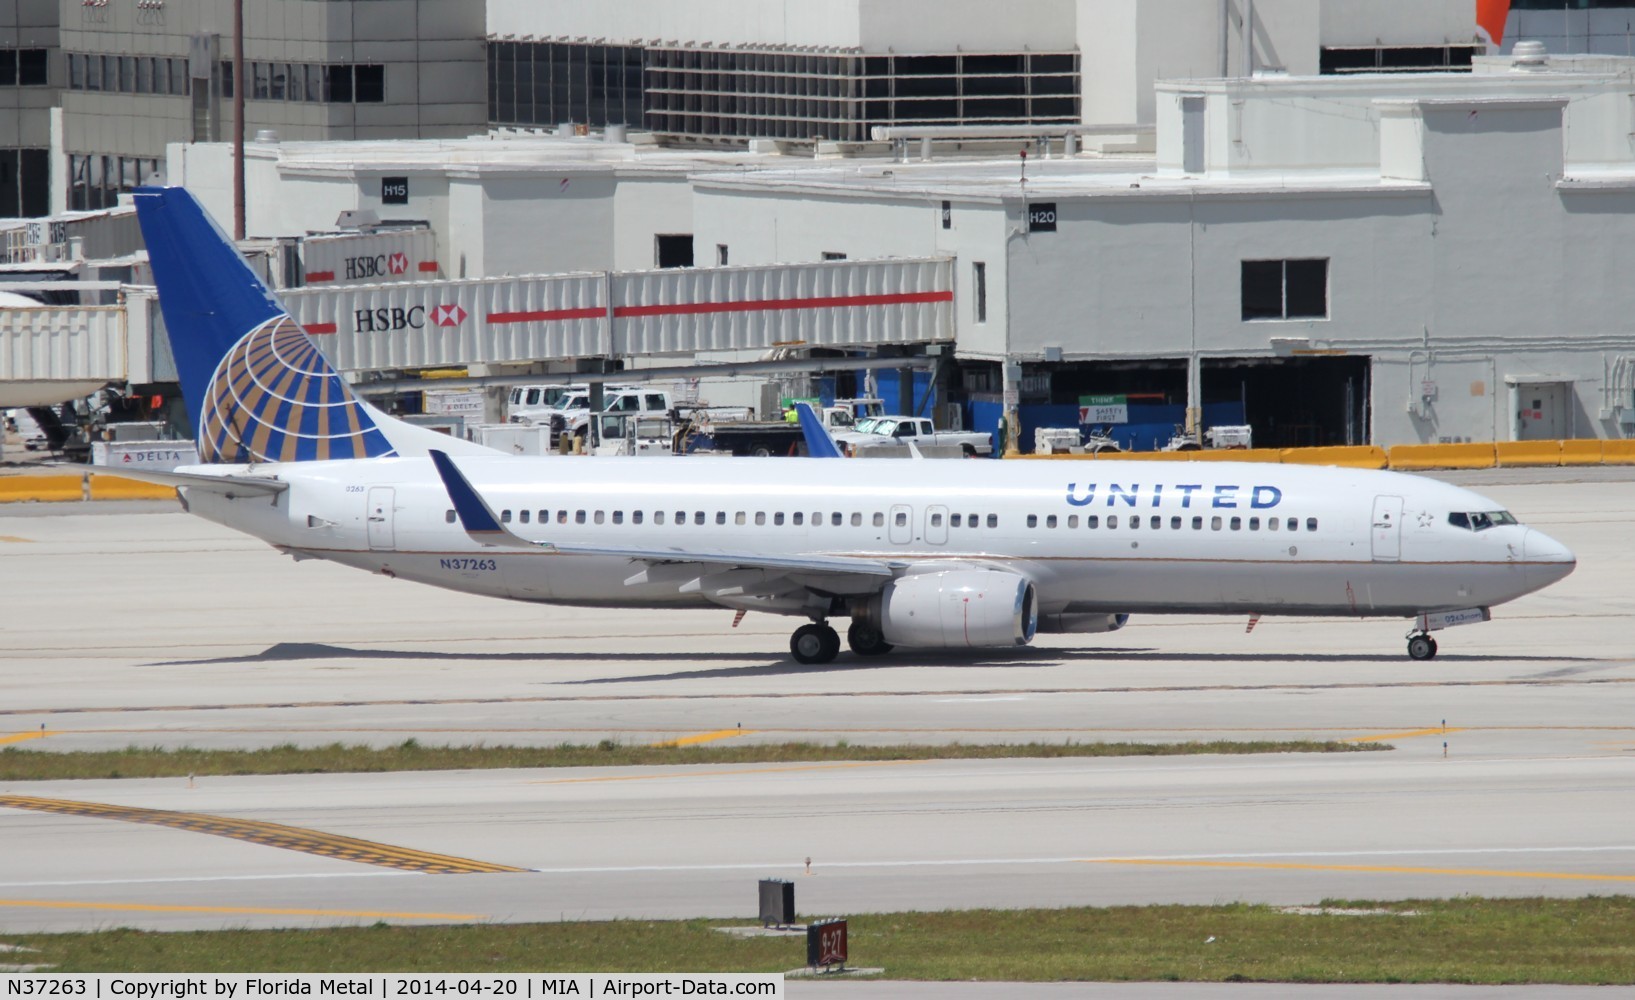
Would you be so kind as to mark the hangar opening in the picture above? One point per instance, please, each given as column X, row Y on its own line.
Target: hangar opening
column 1295, row 402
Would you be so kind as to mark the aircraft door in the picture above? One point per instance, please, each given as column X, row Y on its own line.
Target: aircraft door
column 1387, row 529
column 382, row 535
column 936, row 525
column 902, row 524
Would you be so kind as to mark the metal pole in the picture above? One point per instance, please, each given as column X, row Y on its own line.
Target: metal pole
column 238, row 119
column 1248, row 38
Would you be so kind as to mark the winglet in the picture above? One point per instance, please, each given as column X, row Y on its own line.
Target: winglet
column 475, row 515
column 818, row 442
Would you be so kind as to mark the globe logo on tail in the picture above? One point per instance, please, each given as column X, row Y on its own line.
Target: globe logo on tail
column 274, row 398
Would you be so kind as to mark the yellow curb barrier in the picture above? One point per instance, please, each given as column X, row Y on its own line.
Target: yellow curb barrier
column 1588, row 452
column 41, row 489
column 1365, row 456
column 1512, row 454
column 104, row 487
column 1618, row 452
column 1443, row 456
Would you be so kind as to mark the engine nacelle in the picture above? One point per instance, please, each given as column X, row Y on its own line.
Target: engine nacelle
column 955, row 609
column 1082, row 624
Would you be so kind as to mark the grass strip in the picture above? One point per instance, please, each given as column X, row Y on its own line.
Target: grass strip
column 1466, row 940
column 410, row 755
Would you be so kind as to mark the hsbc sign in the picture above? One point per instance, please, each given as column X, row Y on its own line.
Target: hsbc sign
column 393, row 318
column 378, row 266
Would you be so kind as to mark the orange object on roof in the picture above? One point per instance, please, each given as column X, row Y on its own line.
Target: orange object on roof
column 1491, row 16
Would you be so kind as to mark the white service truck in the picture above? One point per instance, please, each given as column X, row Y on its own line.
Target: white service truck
column 877, row 432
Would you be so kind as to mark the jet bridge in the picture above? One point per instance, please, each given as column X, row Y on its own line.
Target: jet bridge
column 841, row 304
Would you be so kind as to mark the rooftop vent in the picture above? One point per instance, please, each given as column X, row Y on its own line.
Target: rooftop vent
column 1529, row 57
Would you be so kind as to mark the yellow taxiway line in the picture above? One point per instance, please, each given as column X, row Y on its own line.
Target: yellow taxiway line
column 697, row 738
column 1367, row 869
column 51, row 904
column 1410, row 734
column 291, row 838
column 20, row 737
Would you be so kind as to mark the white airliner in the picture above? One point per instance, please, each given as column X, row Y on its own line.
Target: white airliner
column 928, row 554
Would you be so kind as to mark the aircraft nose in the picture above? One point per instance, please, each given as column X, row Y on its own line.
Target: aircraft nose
column 1547, row 559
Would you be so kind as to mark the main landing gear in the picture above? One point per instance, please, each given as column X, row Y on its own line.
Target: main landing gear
column 814, row 643
column 1421, row 646
column 866, row 640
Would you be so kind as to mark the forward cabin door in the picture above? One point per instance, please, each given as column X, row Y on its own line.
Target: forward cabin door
column 1387, row 529
column 382, row 536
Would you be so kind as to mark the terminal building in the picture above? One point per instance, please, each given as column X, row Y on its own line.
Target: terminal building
column 1336, row 222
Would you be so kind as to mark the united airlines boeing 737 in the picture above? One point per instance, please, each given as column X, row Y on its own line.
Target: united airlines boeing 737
column 928, row 554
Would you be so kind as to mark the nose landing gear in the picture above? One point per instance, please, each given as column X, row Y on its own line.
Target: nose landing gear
column 1421, row 646
column 814, row 643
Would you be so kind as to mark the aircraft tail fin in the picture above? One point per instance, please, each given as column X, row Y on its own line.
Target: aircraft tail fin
column 257, row 388
column 819, row 444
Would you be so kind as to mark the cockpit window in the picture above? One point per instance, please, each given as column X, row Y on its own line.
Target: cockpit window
column 1481, row 520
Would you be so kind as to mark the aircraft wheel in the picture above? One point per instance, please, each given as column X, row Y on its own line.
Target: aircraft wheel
column 1421, row 647
column 866, row 640
column 815, row 643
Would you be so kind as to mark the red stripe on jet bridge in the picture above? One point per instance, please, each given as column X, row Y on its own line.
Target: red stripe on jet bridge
column 548, row 315
column 320, row 327
column 429, row 265
column 320, row 276
column 772, row 305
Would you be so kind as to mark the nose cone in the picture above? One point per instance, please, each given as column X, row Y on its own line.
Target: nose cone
column 1547, row 560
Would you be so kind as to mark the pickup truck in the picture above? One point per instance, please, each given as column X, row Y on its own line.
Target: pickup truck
column 876, row 432
column 570, row 417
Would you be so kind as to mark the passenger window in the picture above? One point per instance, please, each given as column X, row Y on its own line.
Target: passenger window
column 544, row 517
column 1092, row 521
column 720, row 517
column 799, row 517
column 1157, row 522
column 1033, row 520
column 879, row 520
column 1311, row 524
column 505, row 517
column 936, row 520
column 857, row 519
column 698, row 517
column 1175, row 523
column 450, row 517
column 835, row 519
column 1294, row 524
column 953, row 519
column 817, row 518
column 1237, row 524
column 1050, row 522
column 1197, row 522
column 901, row 519
column 1254, row 524
column 618, row 517
column 522, row 516
column 1112, row 520
column 1135, row 522
column 635, row 517
column 1072, row 520
column 993, row 520
column 970, row 520
column 1215, row 523
column 600, row 517
column 579, row 517
column 561, row 517
column 739, row 518
column 1271, row 524
column 777, row 518
column 760, row 517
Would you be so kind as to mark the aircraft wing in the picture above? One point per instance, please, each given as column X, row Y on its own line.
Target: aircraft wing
column 231, row 486
column 480, row 523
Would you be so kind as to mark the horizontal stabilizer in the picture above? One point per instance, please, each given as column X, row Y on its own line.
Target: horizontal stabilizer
column 232, row 487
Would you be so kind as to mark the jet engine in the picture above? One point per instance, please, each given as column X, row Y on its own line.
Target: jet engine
column 1082, row 624
column 954, row 609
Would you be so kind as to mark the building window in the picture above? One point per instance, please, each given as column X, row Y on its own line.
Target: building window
column 24, row 67
column 1400, row 58
column 979, row 282
column 1285, row 289
column 370, row 85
